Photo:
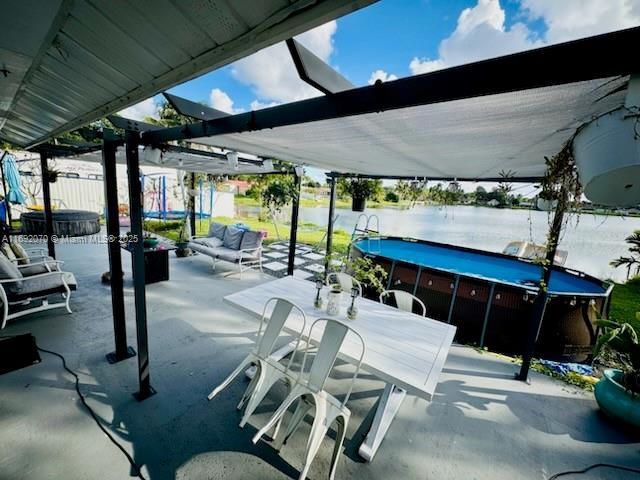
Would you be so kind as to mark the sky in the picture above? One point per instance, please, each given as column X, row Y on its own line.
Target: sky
column 398, row 38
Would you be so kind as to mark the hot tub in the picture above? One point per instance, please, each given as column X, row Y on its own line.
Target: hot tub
column 72, row 223
column 489, row 296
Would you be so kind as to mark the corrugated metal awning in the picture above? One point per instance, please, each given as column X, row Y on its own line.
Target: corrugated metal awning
column 69, row 63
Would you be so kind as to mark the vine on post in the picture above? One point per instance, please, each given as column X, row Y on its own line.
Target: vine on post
column 561, row 185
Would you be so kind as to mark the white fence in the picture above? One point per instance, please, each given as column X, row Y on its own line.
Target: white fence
column 87, row 193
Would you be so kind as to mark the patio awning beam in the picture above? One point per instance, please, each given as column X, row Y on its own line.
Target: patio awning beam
column 193, row 109
column 434, row 179
column 138, row 126
column 591, row 58
column 65, row 150
column 314, row 71
column 205, row 153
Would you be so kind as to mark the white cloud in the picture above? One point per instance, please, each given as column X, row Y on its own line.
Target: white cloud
column 570, row 19
column 271, row 73
column 423, row 65
column 140, row 111
column 481, row 32
column 221, row 101
column 381, row 75
column 258, row 105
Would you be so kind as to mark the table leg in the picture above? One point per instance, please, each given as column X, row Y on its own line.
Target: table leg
column 388, row 406
column 277, row 356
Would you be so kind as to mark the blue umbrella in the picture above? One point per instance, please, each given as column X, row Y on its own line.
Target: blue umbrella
column 12, row 175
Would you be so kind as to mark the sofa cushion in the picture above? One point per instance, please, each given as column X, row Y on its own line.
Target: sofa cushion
column 198, row 247
column 230, row 255
column 38, row 268
column 217, row 230
column 212, row 242
column 232, row 238
column 20, row 252
column 8, row 252
column 41, row 286
column 251, row 240
column 9, row 270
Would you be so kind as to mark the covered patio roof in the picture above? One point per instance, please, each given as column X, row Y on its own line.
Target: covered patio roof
column 64, row 64
column 478, row 121
column 477, row 138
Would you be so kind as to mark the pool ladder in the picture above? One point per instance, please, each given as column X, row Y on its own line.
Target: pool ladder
column 370, row 230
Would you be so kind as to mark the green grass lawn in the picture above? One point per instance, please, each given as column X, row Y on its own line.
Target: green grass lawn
column 625, row 301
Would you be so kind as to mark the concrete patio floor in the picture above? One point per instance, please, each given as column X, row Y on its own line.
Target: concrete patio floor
column 481, row 424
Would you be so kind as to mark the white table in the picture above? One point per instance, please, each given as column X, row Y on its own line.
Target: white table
column 405, row 350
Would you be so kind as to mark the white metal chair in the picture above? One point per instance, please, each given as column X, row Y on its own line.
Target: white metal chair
column 404, row 300
column 309, row 391
column 346, row 281
column 269, row 371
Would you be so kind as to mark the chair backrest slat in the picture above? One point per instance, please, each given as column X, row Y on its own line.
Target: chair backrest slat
column 404, row 300
column 346, row 281
column 330, row 344
column 278, row 317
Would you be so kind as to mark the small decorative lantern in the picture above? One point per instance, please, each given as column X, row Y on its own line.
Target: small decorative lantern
column 352, row 311
column 318, row 301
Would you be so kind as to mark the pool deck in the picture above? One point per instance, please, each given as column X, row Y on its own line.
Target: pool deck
column 481, row 424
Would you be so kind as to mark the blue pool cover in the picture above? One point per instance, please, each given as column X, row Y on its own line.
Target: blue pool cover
column 478, row 265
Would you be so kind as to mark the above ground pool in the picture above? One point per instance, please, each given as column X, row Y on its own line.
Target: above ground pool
column 489, row 296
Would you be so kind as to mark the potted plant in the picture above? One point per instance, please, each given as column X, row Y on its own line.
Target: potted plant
column 360, row 190
column 52, row 175
column 182, row 245
column 149, row 241
column 618, row 392
column 371, row 276
column 546, row 202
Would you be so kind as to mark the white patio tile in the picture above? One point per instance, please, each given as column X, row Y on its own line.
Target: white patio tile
column 275, row 266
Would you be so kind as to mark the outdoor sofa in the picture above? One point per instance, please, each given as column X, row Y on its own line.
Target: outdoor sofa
column 231, row 244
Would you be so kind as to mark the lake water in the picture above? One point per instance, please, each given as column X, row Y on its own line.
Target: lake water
column 591, row 240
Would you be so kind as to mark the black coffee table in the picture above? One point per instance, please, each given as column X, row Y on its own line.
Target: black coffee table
column 156, row 262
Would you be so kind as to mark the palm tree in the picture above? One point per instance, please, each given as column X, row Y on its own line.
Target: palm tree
column 632, row 261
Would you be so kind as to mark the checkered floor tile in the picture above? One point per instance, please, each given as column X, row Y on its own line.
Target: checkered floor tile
column 275, row 266
column 275, row 254
column 315, row 267
column 297, row 273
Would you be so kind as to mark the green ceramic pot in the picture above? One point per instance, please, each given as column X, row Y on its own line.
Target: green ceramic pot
column 615, row 401
column 151, row 242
